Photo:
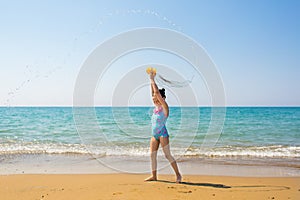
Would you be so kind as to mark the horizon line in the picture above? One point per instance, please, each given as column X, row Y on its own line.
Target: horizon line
column 120, row 106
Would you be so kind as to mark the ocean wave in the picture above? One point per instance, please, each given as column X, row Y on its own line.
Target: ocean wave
column 38, row 148
column 277, row 151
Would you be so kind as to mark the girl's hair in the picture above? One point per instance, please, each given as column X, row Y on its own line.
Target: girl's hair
column 176, row 84
column 162, row 92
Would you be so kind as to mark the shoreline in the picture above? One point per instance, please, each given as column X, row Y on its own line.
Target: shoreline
column 87, row 164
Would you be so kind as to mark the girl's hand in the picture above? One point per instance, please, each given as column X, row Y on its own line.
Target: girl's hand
column 152, row 75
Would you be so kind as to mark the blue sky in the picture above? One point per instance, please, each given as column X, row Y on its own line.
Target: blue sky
column 254, row 44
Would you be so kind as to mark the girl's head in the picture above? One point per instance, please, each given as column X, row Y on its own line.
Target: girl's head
column 162, row 92
column 163, row 95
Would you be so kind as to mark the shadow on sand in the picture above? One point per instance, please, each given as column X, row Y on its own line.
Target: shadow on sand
column 198, row 184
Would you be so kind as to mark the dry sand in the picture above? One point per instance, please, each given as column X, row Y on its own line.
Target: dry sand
column 132, row 186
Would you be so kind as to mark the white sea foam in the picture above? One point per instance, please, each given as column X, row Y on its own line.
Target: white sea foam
column 140, row 150
column 252, row 151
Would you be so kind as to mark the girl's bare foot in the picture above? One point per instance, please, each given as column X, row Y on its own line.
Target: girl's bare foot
column 151, row 178
column 178, row 178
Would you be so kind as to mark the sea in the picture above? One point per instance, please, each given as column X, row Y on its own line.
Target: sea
column 119, row 137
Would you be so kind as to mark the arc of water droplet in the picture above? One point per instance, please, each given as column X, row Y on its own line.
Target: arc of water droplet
column 37, row 74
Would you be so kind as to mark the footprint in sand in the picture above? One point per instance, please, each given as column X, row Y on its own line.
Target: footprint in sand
column 117, row 193
column 190, row 191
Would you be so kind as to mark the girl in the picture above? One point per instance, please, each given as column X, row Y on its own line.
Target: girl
column 159, row 131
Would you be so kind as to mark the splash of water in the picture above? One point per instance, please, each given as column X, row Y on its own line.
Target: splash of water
column 172, row 83
column 31, row 70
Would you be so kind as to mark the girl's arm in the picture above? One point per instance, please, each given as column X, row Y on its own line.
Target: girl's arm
column 152, row 90
column 156, row 93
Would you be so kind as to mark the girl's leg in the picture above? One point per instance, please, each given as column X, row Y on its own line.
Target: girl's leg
column 166, row 149
column 154, row 144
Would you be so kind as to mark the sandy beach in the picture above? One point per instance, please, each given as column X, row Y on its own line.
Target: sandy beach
column 131, row 186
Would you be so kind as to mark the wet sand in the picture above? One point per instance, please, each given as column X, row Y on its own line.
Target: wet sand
column 85, row 164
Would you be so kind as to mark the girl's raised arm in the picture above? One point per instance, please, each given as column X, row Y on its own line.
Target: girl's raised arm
column 158, row 96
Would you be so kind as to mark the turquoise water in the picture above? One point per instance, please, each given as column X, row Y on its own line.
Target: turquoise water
column 248, row 132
